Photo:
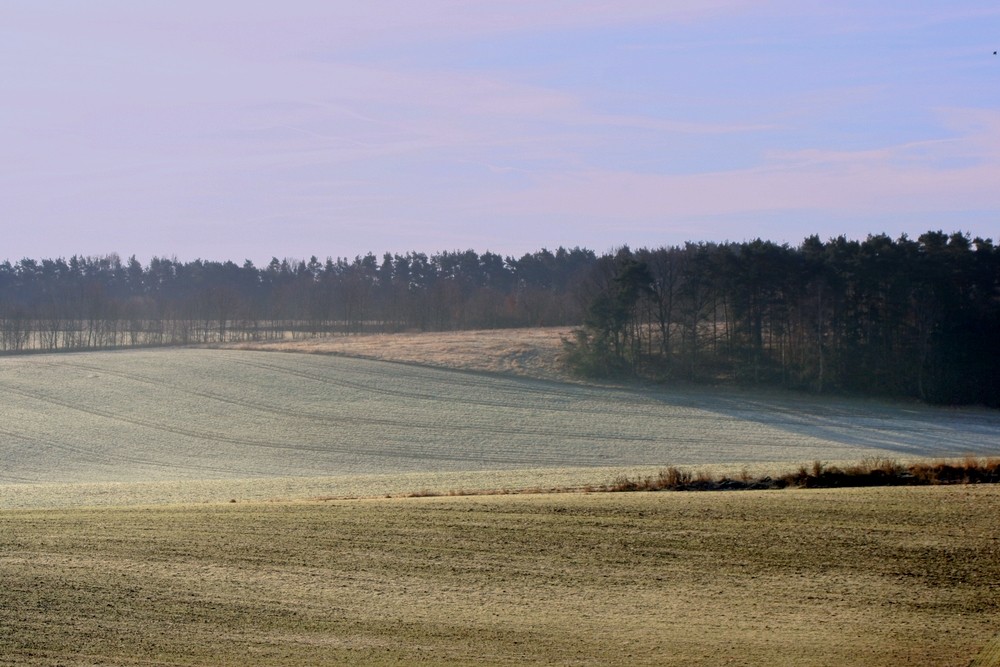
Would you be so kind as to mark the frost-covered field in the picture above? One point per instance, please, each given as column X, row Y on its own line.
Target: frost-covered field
column 189, row 424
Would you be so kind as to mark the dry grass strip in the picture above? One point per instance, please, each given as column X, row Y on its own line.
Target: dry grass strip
column 535, row 352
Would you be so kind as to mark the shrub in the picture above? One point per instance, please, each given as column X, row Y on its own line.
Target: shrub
column 874, row 471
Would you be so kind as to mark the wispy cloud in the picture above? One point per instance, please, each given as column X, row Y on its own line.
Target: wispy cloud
column 945, row 175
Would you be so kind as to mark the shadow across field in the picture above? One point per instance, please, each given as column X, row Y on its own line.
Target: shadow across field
column 185, row 415
column 907, row 430
column 901, row 429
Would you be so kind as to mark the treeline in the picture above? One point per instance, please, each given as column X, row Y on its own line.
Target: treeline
column 103, row 302
column 918, row 318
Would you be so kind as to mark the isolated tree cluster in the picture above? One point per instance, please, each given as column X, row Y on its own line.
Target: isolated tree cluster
column 917, row 318
column 906, row 317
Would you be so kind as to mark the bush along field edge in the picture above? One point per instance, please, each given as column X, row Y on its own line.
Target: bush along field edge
column 870, row 472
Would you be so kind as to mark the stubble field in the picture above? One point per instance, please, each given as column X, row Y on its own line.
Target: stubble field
column 846, row 577
column 186, row 507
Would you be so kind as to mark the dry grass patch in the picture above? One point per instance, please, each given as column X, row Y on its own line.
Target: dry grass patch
column 884, row 576
column 535, row 353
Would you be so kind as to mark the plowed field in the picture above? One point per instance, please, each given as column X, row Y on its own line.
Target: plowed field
column 853, row 577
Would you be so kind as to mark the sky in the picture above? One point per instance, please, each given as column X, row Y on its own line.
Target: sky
column 245, row 129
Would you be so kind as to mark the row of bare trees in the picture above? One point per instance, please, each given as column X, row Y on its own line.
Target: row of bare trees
column 103, row 302
column 901, row 317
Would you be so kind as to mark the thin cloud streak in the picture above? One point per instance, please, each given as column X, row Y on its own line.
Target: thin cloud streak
column 898, row 178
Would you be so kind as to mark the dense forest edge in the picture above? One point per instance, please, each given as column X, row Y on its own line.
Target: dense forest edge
column 916, row 318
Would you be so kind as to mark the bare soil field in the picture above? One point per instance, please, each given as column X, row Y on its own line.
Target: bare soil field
column 901, row 576
column 190, row 425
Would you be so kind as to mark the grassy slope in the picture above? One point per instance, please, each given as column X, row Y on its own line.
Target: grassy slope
column 847, row 577
column 308, row 425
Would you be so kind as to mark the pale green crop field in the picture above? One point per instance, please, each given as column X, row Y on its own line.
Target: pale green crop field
column 183, row 425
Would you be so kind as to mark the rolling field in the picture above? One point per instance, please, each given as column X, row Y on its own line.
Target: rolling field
column 177, row 425
column 188, row 507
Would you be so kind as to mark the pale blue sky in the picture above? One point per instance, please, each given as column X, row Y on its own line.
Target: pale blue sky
column 229, row 129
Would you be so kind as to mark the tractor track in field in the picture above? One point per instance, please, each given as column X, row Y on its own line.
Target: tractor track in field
column 264, row 444
column 461, row 398
column 586, row 404
column 97, row 457
column 589, row 400
column 223, row 413
column 342, row 420
column 711, row 415
column 498, row 455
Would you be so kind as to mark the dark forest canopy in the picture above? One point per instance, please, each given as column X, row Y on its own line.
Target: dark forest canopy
column 905, row 317
column 917, row 318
